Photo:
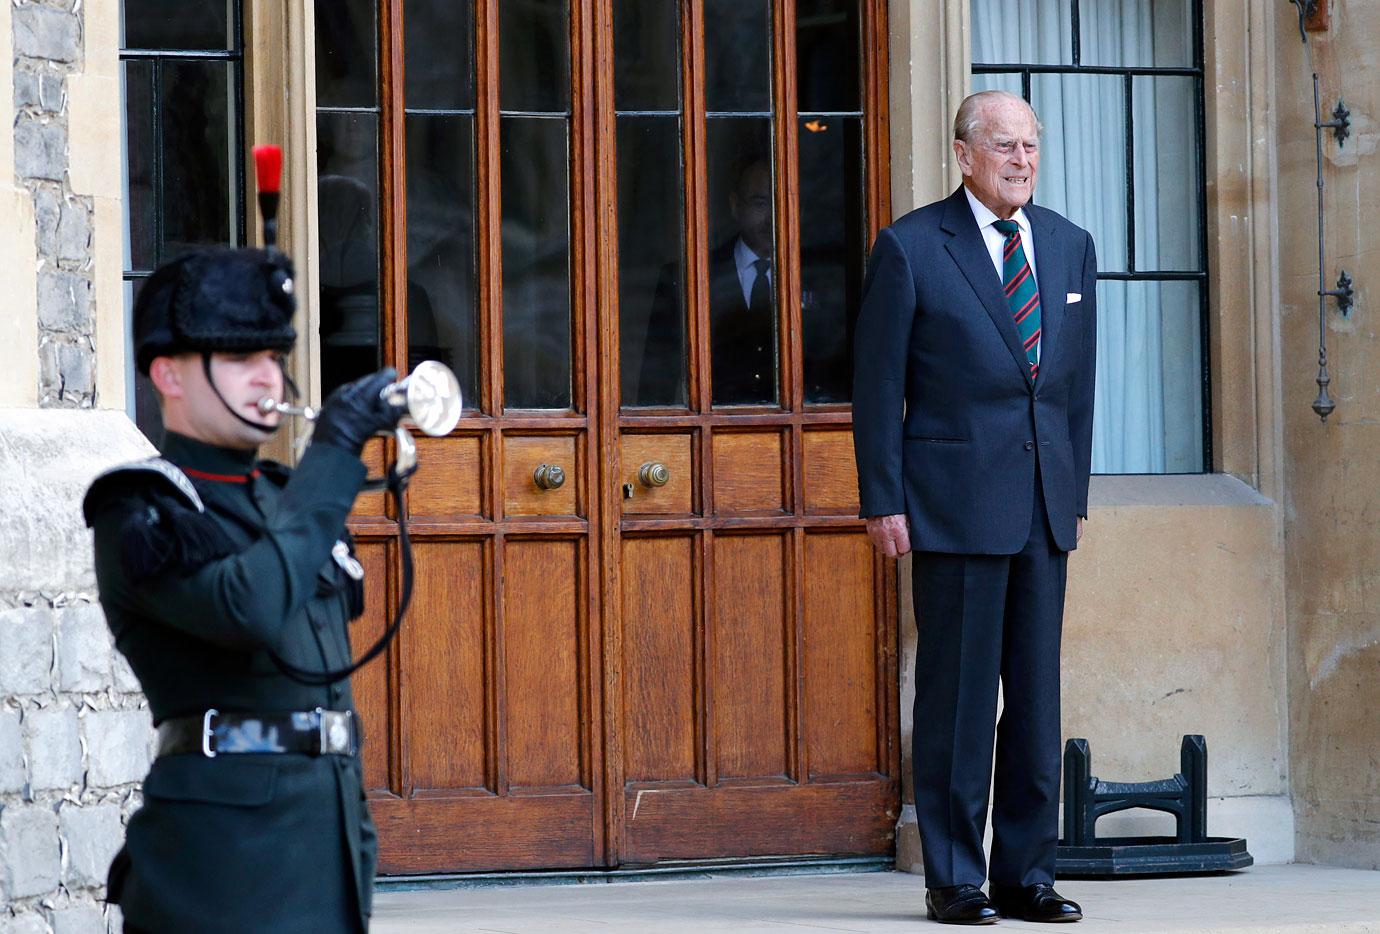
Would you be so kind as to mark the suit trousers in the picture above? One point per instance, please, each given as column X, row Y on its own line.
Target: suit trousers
column 985, row 619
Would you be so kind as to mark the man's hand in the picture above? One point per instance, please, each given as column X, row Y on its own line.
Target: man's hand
column 1079, row 539
column 889, row 534
column 355, row 411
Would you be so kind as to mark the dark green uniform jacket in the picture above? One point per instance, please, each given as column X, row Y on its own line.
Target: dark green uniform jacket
column 244, row 842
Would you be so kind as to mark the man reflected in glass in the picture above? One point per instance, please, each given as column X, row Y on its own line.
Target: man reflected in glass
column 742, row 306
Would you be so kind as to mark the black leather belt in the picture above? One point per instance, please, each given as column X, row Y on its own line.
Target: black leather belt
column 310, row 732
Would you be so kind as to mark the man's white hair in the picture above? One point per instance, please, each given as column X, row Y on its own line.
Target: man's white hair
column 968, row 120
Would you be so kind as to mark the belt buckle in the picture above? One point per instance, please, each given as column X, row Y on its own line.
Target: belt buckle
column 208, row 734
column 337, row 736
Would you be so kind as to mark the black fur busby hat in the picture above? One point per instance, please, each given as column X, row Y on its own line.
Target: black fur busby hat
column 216, row 300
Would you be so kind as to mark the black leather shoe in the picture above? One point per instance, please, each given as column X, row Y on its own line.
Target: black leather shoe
column 959, row 904
column 1037, row 902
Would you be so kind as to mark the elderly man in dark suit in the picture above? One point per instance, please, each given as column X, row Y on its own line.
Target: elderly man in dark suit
column 973, row 402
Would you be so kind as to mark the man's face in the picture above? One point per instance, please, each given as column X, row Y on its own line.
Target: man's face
column 190, row 405
column 1002, row 157
column 751, row 207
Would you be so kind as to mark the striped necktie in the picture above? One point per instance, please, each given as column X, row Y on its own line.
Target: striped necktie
column 1022, row 295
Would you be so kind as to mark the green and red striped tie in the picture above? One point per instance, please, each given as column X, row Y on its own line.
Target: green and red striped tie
column 1022, row 295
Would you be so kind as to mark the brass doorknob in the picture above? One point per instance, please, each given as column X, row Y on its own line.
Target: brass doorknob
column 653, row 474
column 549, row 476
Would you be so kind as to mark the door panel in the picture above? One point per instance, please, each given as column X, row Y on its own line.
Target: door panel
column 670, row 451
column 751, row 635
column 443, row 659
column 831, row 473
column 749, row 472
column 841, row 643
column 452, row 484
column 660, row 659
column 522, row 457
column 544, row 659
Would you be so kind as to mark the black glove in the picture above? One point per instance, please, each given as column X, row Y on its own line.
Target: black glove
column 356, row 411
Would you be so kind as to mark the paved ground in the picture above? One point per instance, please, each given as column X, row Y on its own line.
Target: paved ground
column 1273, row 899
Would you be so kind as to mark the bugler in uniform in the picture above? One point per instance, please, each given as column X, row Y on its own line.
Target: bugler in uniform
column 217, row 571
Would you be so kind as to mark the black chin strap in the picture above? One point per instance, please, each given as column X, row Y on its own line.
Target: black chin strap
column 269, row 429
column 397, row 483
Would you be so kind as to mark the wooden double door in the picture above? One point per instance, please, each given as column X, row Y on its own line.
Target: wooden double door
column 646, row 625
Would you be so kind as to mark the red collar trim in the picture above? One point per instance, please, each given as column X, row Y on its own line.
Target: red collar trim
column 220, row 477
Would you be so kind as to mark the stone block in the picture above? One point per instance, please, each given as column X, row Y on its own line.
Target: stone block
column 79, row 918
column 118, row 746
column 28, row 922
column 47, row 214
column 44, row 32
column 94, row 834
column 26, row 649
column 38, row 91
column 125, row 681
column 40, row 148
column 31, row 857
column 64, row 301
column 83, row 649
column 54, row 748
column 11, row 753
column 74, row 232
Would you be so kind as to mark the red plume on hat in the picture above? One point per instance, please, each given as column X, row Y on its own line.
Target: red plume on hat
column 268, row 169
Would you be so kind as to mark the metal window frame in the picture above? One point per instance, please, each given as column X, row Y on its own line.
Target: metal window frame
column 233, row 56
column 1128, row 74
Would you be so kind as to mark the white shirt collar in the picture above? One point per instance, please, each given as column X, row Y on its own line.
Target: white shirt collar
column 744, row 256
column 985, row 217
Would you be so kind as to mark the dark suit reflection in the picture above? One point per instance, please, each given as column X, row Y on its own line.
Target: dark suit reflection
column 742, row 308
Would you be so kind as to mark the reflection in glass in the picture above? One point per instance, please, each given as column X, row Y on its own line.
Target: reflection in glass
column 1168, row 224
column 827, row 39
column 439, row 54
column 1158, row 33
column 1083, row 158
column 441, row 308
column 831, row 252
column 536, row 263
column 346, row 53
column 1033, row 32
column 646, row 54
column 651, row 293
column 742, row 301
column 534, row 55
column 176, row 24
column 1149, row 409
column 737, row 56
column 136, row 83
column 199, row 199
column 347, row 216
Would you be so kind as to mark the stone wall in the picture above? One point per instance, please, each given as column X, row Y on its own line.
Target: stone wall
column 48, row 49
column 75, row 735
column 1332, row 505
column 75, row 738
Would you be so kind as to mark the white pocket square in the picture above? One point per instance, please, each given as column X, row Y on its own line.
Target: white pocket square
column 1073, row 297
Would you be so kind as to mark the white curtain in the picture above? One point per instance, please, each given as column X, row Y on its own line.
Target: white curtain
column 1149, row 396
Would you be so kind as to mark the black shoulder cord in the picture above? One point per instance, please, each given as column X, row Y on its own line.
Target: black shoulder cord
column 396, row 484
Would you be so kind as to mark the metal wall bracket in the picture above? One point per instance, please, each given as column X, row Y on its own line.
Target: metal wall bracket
column 1343, row 293
column 1340, row 124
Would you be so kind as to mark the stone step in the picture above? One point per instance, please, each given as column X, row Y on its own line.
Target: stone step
column 1292, row 899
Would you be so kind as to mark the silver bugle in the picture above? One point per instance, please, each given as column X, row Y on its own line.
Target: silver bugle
column 430, row 392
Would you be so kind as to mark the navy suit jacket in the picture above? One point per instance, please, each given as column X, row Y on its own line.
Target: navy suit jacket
column 948, row 425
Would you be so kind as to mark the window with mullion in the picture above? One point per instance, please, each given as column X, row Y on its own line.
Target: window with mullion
column 182, row 91
column 1119, row 89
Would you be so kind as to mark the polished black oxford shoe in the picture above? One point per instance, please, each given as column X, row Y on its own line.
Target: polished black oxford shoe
column 959, row 904
column 1037, row 902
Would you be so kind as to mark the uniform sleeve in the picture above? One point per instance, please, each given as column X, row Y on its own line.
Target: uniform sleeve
column 1084, row 387
column 244, row 599
column 879, row 376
